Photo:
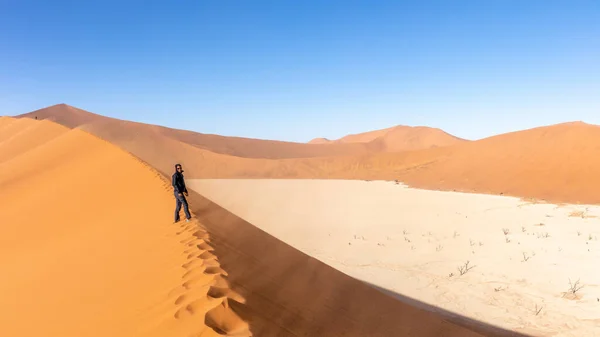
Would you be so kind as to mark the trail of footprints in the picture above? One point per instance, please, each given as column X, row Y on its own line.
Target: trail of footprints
column 204, row 291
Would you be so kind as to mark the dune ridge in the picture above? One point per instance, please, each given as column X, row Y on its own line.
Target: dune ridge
column 88, row 249
column 117, row 129
column 556, row 163
column 398, row 138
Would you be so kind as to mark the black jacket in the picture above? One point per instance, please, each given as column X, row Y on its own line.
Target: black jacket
column 178, row 183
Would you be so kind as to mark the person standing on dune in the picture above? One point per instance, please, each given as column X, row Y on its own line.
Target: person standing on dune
column 179, row 189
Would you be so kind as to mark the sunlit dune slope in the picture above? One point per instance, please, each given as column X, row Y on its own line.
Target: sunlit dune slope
column 398, row 138
column 88, row 248
column 117, row 131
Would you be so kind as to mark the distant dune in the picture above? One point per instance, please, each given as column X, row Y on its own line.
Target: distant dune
column 556, row 163
column 88, row 248
column 398, row 138
column 320, row 141
column 116, row 130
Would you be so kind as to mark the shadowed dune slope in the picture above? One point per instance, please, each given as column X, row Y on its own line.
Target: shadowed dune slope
column 289, row 293
column 121, row 131
column 399, row 138
column 88, row 248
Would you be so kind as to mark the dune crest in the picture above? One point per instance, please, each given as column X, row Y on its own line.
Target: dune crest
column 557, row 163
column 117, row 130
column 88, row 248
column 398, row 138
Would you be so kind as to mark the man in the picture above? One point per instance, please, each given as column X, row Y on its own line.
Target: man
column 179, row 190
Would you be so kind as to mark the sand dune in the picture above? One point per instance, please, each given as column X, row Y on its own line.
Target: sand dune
column 411, row 242
column 88, row 248
column 398, row 138
column 556, row 163
column 120, row 131
column 288, row 293
column 90, row 251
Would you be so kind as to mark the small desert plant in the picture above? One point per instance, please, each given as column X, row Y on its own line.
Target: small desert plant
column 538, row 309
column 480, row 243
column 456, row 234
column 463, row 269
column 523, row 229
column 543, row 235
column 574, row 287
column 471, row 242
column 507, row 239
column 578, row 233
column 498, row 289
column 590, row 237
column 405, row 232
column 406, row 239
column 439, row 248
column 525, row 257
column 506, row 231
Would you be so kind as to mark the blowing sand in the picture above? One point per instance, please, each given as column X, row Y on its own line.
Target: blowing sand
column 531, row 267
column 88, row 248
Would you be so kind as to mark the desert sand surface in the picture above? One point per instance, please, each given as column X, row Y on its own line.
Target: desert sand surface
column 88, row 247
column 531, row 266
column 399, row 138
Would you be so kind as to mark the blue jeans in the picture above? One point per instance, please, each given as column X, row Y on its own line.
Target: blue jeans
column 180, row 200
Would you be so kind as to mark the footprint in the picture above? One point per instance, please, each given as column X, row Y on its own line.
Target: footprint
column 226, row 321
column 215, row 270
column 199, row 280
column 193, row 264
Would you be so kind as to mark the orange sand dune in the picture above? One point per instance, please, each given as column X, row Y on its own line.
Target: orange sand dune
column 557, row 163
column 88, row 248
column 110, row 128
column 398, row 138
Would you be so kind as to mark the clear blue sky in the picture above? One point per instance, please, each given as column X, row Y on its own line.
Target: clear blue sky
column 294, row 70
